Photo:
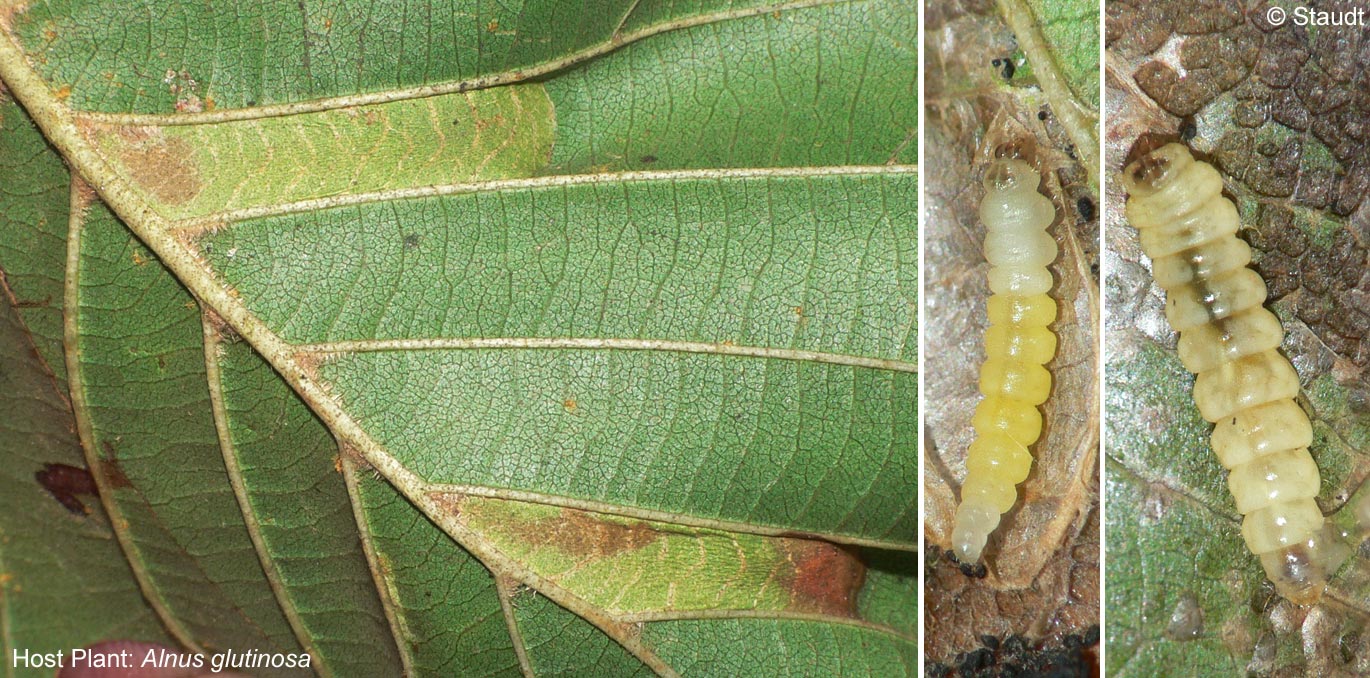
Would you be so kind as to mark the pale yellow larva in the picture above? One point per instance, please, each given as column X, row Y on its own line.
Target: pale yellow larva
column 1018, row 345
column 1244, row 386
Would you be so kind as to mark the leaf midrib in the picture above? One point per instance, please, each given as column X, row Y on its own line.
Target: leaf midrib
column 175, row 249
column 1082, row 131
column 58, row 124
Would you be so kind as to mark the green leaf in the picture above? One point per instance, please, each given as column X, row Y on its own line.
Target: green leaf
column 63, row 581
column 455, row 138
column 561, row 340
column 1044, row 557
column 1185, row 589
column 33, row 215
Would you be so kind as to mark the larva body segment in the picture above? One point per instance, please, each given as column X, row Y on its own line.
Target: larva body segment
column 1018, row 344
column 1244, row 385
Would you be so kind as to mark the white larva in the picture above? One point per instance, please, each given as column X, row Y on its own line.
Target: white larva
column 1244, row 386
column 1018, row 345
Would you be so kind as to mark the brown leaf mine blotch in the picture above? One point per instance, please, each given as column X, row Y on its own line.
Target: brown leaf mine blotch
column 826, row 577
column 163, row 166
column 582, row 535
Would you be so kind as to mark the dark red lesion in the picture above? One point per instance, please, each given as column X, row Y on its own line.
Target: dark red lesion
column 826, row 577
column 65, row 482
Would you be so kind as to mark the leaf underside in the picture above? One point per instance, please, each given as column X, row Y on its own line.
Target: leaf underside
column 561, row 341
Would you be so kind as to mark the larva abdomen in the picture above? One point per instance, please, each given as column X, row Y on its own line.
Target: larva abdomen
column 1244, row 385
column 1018, row 344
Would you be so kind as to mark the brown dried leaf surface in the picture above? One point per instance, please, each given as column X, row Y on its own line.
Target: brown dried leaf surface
column 1043, row 560
column 1284, row 114
column 1063, row 601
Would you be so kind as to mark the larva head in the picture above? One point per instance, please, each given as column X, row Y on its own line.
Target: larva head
column 1011, row 175
column 1151, row 172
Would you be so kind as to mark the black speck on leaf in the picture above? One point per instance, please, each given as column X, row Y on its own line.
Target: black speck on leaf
column 1086, row 207
column 1005, row 66
column 1188, row 129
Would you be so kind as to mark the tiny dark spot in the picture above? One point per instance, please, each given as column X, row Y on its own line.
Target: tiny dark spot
column 649, row 159
column 1070, row 151
column 1349, row 645
column 977, row 571
column 1188, row 129
column 411, row 241
column 1005, row 67
column 1263, row 597
column 975, row 661
column 991, row 642
column 251, row 102
column 1086, row 207
column 1041, row 115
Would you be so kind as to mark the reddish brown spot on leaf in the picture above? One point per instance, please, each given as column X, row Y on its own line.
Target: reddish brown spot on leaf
column 64, row 482
column 110, row 470
column 826, row 577
column 113, row 474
